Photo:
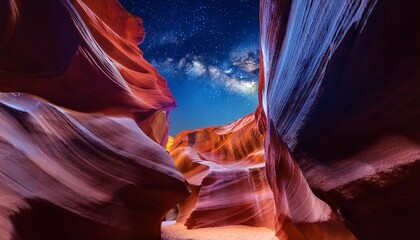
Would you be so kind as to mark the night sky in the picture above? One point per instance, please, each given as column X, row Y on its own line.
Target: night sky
column 208, row 51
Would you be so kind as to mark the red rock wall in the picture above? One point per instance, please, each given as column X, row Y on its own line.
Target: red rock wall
column 225, row 168
column 80, row 176
column 341, row 91
column 81, row 55
column 74, row 163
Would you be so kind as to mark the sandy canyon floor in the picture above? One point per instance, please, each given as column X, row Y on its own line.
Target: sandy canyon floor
column 174, row 231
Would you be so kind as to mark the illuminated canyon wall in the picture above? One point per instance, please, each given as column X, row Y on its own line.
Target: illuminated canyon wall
column 69, row 175
column 341, row 90
column 82, row 55
column 74, row 162
column 226, row 170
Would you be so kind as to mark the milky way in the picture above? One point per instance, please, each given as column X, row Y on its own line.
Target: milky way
column 209, row 53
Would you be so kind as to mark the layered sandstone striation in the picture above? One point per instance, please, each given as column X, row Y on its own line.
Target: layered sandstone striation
column 82, row 55
column 81, row 151
column 341, row 91
column 70, row 175
column 226, row 170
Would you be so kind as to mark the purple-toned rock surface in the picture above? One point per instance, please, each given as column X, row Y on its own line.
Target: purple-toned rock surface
column 341, row 90
column 80, row 176
column 98, row 170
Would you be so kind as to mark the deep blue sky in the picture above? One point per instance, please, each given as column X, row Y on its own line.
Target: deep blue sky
column 208, row 51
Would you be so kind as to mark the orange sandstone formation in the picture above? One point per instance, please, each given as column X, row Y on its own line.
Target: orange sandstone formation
column 81, row 55
column 74, row 162
column 225, row 168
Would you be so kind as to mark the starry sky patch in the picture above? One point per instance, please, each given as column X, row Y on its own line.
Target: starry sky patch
column 208, row 51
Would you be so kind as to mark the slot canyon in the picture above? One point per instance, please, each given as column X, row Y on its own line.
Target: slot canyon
column 329, row 151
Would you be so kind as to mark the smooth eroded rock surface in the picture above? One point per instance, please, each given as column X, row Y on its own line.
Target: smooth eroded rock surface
column 82, row 55
column 82, row 156
column 80, row 176
column 341, row 91
column 225, row 168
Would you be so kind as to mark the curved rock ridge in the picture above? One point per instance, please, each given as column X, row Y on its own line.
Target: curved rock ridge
column 299, row 213
column 341, row 91
column 81, row 55
column 225, row 168
column 69, row 175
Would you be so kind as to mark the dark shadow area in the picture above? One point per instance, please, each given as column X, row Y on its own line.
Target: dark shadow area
column 390, row 212
column 46, row 221
column 371, row 85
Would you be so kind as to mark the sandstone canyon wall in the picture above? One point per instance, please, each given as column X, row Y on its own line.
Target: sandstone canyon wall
column 225, row 167
column 74, row 163
column 341, row 89
column 82, row 55
column 80, row 176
